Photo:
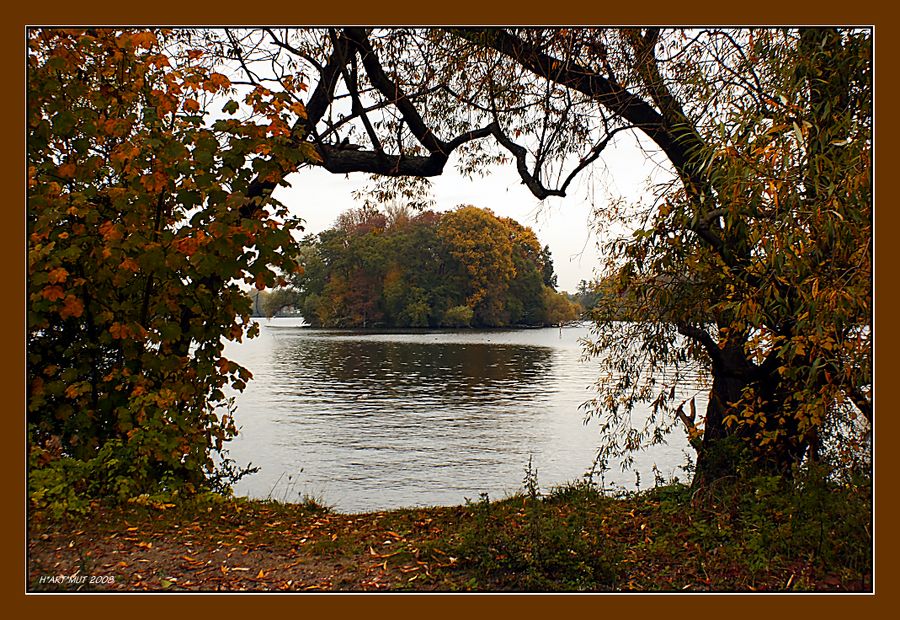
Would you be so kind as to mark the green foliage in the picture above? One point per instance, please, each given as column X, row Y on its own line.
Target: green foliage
column 541, row 551
column 765, row 522
column 756, row 271
column 141, row 224
column 69, row 487
column 458, row 316
column 528, row 543
column 278, row 300
column 586, row 295
column 809, row 531
column 458, row 269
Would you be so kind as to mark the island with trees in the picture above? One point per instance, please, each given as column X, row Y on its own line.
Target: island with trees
column 464, row 268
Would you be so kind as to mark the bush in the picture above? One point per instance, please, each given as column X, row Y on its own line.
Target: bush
column 61, row 486
column 540, row 543
column 458, row 316
column 810, row 516
column 66, row 486
column 766, row 523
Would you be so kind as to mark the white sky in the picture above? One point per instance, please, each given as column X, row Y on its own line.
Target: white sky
column 564, row 224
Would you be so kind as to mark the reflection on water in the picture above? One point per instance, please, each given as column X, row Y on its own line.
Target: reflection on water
column 366, row 421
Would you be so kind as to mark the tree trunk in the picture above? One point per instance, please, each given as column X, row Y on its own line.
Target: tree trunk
column 725, row 451
column 720, row 452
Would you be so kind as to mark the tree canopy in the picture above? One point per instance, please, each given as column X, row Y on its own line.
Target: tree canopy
column 466, row 267
column 753, row 264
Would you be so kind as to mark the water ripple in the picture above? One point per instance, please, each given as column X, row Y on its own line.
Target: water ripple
column 380, row 420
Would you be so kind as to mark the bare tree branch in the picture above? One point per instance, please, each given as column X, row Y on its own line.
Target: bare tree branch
column 620, row 101
column 290, row 48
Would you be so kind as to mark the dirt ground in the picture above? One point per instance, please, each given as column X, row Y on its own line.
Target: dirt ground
column 238, row 548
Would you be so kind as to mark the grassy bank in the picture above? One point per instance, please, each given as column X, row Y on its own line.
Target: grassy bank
column 761, row 535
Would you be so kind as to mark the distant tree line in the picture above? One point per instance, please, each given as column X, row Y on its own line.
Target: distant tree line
column 402, row 268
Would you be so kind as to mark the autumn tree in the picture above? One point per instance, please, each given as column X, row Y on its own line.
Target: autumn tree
column 753, row 264
column 558, row 308
column 757, row 263
column 416, row 291
column 277, row 301
column 143, row 219
column 482, row 260
column 462, row 268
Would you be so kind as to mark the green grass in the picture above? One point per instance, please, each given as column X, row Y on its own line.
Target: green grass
column 768, row 533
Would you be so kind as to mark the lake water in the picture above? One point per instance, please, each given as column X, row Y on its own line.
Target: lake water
column 373, row 420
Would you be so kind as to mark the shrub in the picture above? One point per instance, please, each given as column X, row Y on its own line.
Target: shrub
column 458, row 316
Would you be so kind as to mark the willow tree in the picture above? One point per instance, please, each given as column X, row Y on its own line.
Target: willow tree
column 754, row 263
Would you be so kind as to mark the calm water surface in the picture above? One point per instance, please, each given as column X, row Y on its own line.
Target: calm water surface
column 367, row 421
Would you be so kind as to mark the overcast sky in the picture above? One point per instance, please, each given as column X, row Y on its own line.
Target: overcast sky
column 564, row 224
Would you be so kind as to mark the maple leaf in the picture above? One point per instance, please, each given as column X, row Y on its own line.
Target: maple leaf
column 73, row 391
column 187, row 246
column 155, row 182
column 71, row 307
column 119, row 331
column 219, row 80
column 110, row 231
column 144, row 39
column 52, row 293
column 299, row 109
column 58, row 275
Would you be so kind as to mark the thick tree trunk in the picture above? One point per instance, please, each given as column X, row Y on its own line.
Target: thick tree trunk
column 719, row 454
column 724, row 451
